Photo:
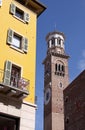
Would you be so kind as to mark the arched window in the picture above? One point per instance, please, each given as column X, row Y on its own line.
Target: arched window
column 60, row 69
column 53, row 42
column 56, row 67
column 59, row 41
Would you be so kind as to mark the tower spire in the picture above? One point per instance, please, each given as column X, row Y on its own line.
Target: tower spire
column 55, row 27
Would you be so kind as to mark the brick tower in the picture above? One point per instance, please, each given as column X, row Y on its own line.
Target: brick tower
column 55, row 81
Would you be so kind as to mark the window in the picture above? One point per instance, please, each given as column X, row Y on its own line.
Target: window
column 67, row 120
column 12, row 77
column 0, row 2
column 59, row 41
column 15, row 75
column 59, row 69
column 62, row 68
column 61, row 85
column 53, row 42
column 12, row 74
column 20, row 14
column 47, row 96
column 16, row 40
column 56, row 67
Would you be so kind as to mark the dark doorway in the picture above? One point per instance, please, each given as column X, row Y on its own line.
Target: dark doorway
column 9, row 123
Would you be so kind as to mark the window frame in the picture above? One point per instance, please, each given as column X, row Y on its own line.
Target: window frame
column 15, row 37
column 8, row 71
column 13, row 78
column 19, row 12
column 24, row 41
column 13, row 9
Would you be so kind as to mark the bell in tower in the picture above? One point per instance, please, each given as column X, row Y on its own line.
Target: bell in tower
column 55, row 81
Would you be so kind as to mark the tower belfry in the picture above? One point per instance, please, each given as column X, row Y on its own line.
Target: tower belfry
column 55, row 81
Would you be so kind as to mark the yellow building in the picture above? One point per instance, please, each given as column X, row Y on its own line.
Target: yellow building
column 18, row 63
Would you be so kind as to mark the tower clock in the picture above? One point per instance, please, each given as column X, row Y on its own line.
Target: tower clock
column 55, row 81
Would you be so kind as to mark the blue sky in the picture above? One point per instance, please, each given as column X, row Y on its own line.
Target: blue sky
column 67, row 16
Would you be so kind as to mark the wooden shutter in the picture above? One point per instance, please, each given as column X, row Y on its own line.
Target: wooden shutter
column 10, row 36
column 25, row 44
column 0, row 2
column 26, row 17
column 12, row 8
column 7, row 72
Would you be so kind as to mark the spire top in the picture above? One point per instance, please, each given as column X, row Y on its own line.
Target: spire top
column 55, row 26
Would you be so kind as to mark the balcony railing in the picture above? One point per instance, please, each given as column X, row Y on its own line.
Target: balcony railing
column 17, row 87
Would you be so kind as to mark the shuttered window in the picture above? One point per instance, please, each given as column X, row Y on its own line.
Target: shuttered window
column 19, row 13
column 12, row 74
column 0, row 2
column 18, row 41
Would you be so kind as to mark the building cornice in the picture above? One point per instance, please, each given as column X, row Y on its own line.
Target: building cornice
column 33, row 5
column 56, row 54
column 55, row 32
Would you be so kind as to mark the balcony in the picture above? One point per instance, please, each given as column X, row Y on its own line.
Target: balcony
column 17, row 88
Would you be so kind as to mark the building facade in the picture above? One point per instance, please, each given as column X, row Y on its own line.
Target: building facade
column 18, row 63
column 74, row 104
column 56, row 79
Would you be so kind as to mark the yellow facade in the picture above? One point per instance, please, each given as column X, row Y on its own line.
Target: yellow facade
column 27, row 61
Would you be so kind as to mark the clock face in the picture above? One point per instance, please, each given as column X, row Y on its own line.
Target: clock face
column 47, row 95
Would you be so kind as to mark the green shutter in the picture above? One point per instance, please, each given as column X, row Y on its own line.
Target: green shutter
column 7, row 72
column 25, row 44
column 12, row 8
column 10, row 36
column 26, row 17
column 0, row 2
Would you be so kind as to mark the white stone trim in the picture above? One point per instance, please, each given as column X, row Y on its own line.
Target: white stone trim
column 24, row 110
column 30, row 104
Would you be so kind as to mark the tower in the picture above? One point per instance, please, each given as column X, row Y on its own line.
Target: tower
column 55, row 81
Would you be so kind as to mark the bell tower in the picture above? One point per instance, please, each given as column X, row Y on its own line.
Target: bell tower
column 55, row 81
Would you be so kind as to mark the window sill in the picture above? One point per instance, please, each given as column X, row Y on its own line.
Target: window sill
column 19, row 19
column 21, row 51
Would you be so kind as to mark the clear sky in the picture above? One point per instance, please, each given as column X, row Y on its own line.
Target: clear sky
column 67, row 16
